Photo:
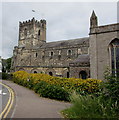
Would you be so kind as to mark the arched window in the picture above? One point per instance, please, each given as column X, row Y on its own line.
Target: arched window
column 50, row 73
column 83, row 75
column 39, row 32
column 36, row 54
column 114, row 49
column 51, row 53
column 35, row 71
column 69, row 52
column 67, row 74
column 25, row 31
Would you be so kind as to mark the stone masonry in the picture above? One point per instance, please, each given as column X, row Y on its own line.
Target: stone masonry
column 84, row 57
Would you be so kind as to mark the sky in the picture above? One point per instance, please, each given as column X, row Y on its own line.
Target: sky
column 65, row 20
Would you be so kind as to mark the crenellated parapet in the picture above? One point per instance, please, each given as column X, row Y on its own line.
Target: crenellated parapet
column 32, row 22
column 32, row 33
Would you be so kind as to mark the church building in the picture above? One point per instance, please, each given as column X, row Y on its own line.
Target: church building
column 87, row 57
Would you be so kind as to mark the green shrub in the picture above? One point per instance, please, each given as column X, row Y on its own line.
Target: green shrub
column 112, row 88
column 87, row 86
column 51, row 91
column 6, row 76
column 90, row 107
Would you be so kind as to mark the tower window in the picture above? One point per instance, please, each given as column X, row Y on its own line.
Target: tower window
column 25, row 31
column 39, row 32
column 36, row 55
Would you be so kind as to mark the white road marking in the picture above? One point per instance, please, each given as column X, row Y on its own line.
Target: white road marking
column 2, row 93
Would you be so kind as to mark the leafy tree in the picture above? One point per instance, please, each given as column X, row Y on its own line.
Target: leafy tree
column 6, row 65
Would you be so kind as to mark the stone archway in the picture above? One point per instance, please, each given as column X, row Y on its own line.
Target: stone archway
column 83, row 74
column 21, row 69
column 66, row 73
column 51, row 72
column 34, row 71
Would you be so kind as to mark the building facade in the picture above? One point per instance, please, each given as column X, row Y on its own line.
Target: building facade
column 80, row 58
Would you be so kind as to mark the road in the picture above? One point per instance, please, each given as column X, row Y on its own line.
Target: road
column 30, row 105
column 6, row 100
column 4, row 96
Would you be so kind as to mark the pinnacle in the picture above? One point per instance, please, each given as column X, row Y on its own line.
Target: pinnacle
column 93, row 14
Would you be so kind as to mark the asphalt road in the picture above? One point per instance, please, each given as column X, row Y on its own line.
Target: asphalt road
column 6, row 100
column 4, row 97
column 30, row 105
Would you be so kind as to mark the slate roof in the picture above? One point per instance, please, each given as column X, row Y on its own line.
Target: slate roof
column 66, row 43
column 82, row 59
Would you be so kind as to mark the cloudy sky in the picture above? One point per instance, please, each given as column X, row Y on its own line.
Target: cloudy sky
column 65, row 20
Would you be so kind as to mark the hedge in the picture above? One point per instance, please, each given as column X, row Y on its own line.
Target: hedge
column 32, row 80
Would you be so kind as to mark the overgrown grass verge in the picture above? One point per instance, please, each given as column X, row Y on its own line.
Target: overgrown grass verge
column 91, row 107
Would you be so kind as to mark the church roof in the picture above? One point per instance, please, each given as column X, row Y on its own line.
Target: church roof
column 66, row 43
column 82, row 60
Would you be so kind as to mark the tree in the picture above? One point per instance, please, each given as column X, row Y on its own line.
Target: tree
column 6, row 65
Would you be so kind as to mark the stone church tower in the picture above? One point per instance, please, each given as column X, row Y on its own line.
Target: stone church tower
column 102, row 41
column 86, row 57
column 32, row 33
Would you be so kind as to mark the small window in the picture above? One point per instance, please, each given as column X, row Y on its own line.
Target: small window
column 25, row 31
column 67, row 74
column 69, row 52
column 39, row 32
column 52, row 53
column 36, row 54
column 59, row 52
column 79, row 51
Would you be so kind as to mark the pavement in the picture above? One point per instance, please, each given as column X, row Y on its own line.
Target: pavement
column 29, row 105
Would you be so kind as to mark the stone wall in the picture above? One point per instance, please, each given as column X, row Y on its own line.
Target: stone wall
column 100, row 38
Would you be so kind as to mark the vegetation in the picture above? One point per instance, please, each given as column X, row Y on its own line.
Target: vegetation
column 55, row 87
column 51, row 91
column 6, row 65
column 90, row 98
column 103, row 104
column 90, row 106
column 6, row 76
